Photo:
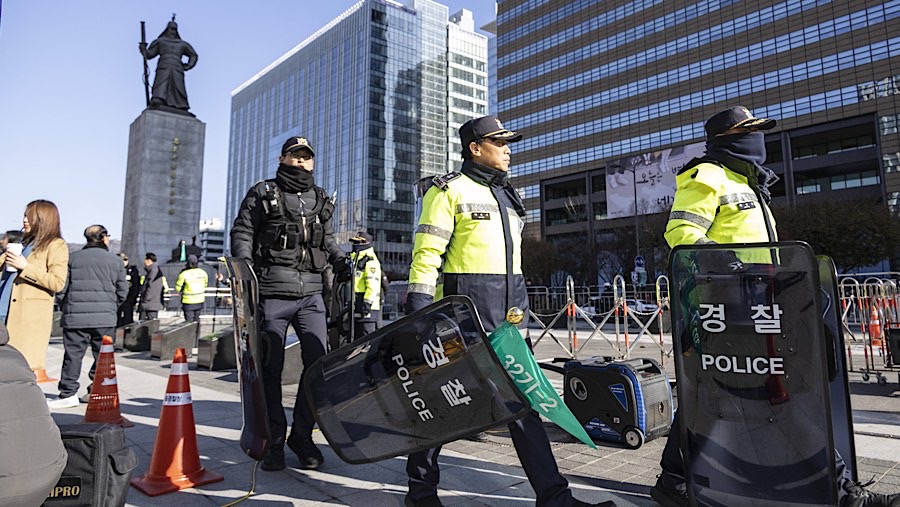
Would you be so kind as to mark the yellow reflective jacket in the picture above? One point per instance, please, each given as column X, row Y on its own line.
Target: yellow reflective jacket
column 470, row 228
column 368, row 276
column 715, row 205
column 192, row 284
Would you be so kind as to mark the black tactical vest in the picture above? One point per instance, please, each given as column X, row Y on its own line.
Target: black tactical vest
column 294, row 231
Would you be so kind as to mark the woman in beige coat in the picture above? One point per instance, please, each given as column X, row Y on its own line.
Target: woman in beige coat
column 41, row 272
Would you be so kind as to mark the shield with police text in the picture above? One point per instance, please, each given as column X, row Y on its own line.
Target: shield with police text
column 752, row 375
column 255, row 437
column 422, row 381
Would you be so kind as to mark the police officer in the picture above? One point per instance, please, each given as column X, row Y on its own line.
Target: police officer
column 133, row 277
column 723, row 198
column 191, row 283
column 284, row 227
column 366, row 285
column 470, row 228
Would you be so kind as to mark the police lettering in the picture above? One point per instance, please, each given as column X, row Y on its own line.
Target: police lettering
column 417, row 402
column 745, row 365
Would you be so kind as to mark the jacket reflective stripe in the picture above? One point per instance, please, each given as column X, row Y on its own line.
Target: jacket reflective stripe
column 477, row 206
column 690, row 217
column 434, row 231
column 422, row 288
column 735, row 198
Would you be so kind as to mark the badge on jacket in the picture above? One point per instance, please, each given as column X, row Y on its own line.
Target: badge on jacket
column 481, row 215
column 744, row 206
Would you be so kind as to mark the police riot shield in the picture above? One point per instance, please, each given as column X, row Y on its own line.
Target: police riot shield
column 255, row 438
column 839, row 390
column 422, row 381
column 752, row 375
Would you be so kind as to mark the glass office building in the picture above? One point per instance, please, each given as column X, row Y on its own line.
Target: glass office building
column 612, row 98
column 370, row 92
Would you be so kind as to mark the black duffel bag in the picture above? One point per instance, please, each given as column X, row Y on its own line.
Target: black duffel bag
column 99, row 467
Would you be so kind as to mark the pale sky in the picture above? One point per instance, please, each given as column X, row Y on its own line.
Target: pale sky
column 70, row 86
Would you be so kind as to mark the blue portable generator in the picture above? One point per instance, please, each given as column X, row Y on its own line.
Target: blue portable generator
column 627, row 401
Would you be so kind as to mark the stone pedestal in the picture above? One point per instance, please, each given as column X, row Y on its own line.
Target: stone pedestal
column 163, row 183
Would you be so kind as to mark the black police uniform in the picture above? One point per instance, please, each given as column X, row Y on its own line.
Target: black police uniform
column 289, row 237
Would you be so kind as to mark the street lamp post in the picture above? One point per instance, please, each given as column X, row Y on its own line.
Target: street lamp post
column 637, row 237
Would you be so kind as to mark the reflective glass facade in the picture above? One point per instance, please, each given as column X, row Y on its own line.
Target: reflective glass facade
column 589, row 83
column 370, row 92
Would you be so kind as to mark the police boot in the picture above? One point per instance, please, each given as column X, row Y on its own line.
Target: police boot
column 275, row 459
column 859, row 496
column 670, row 491
column 310, row 455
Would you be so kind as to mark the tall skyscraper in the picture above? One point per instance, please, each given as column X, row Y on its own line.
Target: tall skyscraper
column 370, row 92
column 612, row 97
column 467, row 77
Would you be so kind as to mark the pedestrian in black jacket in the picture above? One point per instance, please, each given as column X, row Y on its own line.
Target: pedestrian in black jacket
column 96, row 288
column 284, row 228
column 152, row 289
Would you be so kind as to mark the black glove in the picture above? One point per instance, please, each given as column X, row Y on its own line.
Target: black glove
column 341, row 270
column 719, row 261
column 417, row 301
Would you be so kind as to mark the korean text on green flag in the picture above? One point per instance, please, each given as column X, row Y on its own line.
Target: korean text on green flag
column 519, row 363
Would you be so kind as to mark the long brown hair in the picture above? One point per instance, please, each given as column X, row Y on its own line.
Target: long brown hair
column 43, row 218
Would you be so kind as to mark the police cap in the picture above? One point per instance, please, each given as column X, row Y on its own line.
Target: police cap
column 296, row 143
column 486, row 127
column 735, row 117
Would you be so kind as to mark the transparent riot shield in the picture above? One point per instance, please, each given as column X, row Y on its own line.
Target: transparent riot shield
column 752, row 375
column 422, row 381
column 255, row 438
column 839, row 390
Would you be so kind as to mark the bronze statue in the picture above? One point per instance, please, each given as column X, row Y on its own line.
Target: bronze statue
column 169, row 92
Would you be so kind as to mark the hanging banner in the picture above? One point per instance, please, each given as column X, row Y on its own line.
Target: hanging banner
column 653, row 172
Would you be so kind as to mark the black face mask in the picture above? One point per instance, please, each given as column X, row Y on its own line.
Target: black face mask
column 749, row 147
column 744, row 153
column 293, row 179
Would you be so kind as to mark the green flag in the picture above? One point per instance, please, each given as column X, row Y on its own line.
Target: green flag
column 519, row 363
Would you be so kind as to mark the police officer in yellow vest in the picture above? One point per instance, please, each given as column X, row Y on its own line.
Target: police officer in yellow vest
column 470, row 227
column 191, row 283
column 366, row 285
column 723, row 198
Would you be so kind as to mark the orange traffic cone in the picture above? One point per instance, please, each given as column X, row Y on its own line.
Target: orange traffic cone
column 874, row 327
column 175, row 463
column 103, row 406
column 41, row 376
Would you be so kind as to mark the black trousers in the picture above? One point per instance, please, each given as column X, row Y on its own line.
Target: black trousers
column 126, row 315
column 75, row 342
column 533, row 449
column 365, row 325
column 192, row 311
column 148, row 314
column 307, row 316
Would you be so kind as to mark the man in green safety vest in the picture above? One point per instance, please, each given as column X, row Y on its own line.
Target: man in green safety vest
column 366, row 285
column 191, row 283
column 723, row 198
column 470, row 229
